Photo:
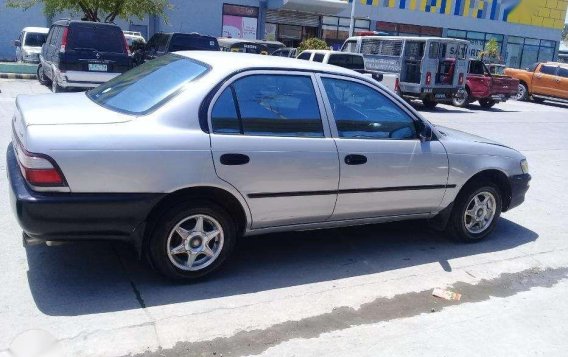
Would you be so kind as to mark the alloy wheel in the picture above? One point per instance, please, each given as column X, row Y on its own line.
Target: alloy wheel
column 480, row 212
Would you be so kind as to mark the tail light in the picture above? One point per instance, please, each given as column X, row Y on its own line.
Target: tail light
column 64, row 40
column 39, row 170
column 397, row 85
column 126, row 45
column 461, row 79
column 428, row 78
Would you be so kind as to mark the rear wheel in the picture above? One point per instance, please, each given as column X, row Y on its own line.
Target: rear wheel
column 487, row 103
column 476, row 211
column 429, row 103
column 463, row 101
column 522, row 92
column 41, row 77
column 192, row 240
column 55, row 87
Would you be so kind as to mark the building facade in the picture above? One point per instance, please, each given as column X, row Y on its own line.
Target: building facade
column 526, row 31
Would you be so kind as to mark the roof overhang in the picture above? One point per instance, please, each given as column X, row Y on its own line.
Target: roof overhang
column 321, row 7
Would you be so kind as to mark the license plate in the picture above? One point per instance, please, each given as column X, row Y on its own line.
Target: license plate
column 96, row 67
column 440, row 96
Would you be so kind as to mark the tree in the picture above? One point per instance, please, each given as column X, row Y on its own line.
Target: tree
column 98, row 10
column 313, row 44
column 491, row 52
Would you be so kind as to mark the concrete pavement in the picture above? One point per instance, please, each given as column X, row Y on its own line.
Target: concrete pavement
column 350, row 291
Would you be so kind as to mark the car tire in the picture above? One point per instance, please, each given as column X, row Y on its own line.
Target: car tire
column 522, row 93
column 41, row 77
column 429, row 103
column 475, row 213
column 462, row 102
column 193, row 253
column 487, row 103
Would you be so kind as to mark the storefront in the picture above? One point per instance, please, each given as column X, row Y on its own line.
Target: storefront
column 240, row 21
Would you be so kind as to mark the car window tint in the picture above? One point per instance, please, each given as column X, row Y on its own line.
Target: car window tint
column 318, row 57
column 100, row 38
column 563, row 72
column 147, row 86
column 189, row 42
column 224, row 118
column 476, row 67
column 35, row 39
column 347, row 61
column 304, row 56
column 548, row 70
column 361, row 112
column 162, row 43
column 278, row 105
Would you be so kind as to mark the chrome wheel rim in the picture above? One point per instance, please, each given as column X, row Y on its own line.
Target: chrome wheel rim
column 195, row 242
column 480, row 212
column 460, row 101
column 520, row 92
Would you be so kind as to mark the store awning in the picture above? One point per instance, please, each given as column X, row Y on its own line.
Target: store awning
column 321, row 7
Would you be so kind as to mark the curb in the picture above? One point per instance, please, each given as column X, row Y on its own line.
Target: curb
column 17, row 76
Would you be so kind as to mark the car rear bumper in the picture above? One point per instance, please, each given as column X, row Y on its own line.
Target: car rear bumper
column 519, row 187
column 77, row 216
column 83, row 79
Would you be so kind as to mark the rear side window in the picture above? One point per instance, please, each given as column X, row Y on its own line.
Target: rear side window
column 269, row 105
column 190, row 43
column 318, row 57
column 548, row 70
column 96, row 37
column 147, row 86
column 305, row 56
column 347, row 61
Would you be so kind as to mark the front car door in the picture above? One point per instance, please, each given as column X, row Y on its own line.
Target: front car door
column 563, row 82
column 544, row 80
column 386, row 170
column 269, row 141
column 478, row 80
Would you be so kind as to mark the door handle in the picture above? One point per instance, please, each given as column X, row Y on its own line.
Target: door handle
column 355, row 159
column 234, row 159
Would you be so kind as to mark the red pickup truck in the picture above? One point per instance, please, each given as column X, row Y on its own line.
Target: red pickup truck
column 485, row 87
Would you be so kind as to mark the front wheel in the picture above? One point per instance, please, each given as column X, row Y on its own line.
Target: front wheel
column 487, row 103
column 192, row 240
column 475, row 213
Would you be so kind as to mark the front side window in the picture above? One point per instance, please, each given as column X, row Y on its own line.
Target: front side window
column 305, row 56
column 349, row 46
column 268, row 105
column 548, row 70
column 347, row 61
column 145, row 87
column 361, row 112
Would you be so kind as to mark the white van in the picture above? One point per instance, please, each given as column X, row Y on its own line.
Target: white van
column 28, row 45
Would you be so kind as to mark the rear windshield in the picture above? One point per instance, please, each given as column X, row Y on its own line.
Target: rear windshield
column 193, row 43
column 145, row 87
column 347, row 61
column 98, row 38
column 35, row 39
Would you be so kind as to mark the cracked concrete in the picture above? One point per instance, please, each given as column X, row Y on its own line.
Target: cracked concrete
column 97, row 299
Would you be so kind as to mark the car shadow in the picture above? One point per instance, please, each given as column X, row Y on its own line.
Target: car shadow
column 548, row 103
column 477, row 107
column 88, row 278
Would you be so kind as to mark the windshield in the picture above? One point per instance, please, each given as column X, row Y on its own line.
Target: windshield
column 35, row 39
column 146, row 87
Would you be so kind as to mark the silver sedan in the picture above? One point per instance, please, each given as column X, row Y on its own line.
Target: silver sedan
column 186, row 153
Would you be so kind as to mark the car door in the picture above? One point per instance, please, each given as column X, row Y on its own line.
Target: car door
column 544, row 80
column 269, row 141
column 478, row 80
column 386, row 170
column 563, row 82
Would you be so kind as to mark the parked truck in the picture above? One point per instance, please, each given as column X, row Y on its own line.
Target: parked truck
column 542, row 81
column 485, row 87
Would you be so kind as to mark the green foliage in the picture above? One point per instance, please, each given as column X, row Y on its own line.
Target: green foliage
column 491, row 53
column 313, row 44
column 98, row 10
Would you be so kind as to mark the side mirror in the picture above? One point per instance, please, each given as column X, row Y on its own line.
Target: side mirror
column 424, row 131
column 18, row 43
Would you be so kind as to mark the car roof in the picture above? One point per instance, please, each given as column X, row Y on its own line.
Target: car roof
column 230, row 62
column 69, row 22
column 409, row 38
column 36, row 29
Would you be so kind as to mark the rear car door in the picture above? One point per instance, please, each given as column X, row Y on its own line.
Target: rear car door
column 386, row 170
column 94, row 47
column 269, row 141
column 544, row 80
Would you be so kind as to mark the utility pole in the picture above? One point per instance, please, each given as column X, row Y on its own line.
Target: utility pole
column 352, row 23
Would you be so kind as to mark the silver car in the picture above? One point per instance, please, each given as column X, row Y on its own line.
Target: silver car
column 186, row 153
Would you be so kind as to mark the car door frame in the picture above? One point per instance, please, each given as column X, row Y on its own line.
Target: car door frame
column 327, row 135
column 545, row 82
column 418, row 122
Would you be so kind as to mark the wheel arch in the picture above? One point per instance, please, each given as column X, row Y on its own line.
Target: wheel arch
column 495, row 176
column 237, row 209
column 523, row 82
